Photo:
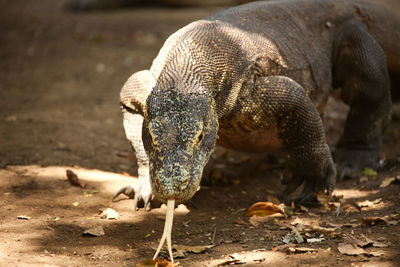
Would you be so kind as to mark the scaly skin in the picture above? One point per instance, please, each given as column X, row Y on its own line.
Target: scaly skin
column 256, row 77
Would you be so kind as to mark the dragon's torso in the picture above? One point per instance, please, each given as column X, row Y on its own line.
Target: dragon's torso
column 227, row 54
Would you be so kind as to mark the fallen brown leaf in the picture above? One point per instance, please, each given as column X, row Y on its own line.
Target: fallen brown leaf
column 240, row 222
column 349, row 249
column 368, row 203
column 354, row 250
column 256, row 220
column 371, row 221
column 388, row 181
column 374, row 243
column 264, row 209
column 96, row 231
column 23, row 217
column 315, row 240
column 74, row 180
column 156, row 263
column 109, row 214
column 240, row 258
column 350, row 206
column 343, row 225
column 297, row 221
column 320, row 229
column 192, row 249
column 299, row 250
column 324, row 199
column 283, row 247
column 230, row 262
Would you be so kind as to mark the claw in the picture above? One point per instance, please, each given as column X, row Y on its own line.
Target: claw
column 343, row 172
column 330, row 180
column 307, row 198
column 128, row 191
column 135, row 202
column 146, row 202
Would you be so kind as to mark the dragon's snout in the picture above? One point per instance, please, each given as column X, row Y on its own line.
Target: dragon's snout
column 175, row 178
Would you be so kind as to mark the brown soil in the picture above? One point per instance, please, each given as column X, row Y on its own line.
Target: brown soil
column 60, row 78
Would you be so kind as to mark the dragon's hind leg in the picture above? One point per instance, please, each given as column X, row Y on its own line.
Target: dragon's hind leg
column 360, row 71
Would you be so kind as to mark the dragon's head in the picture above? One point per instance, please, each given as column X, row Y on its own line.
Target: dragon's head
column 179, row 135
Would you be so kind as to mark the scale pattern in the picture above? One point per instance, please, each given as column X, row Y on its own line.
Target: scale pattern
column 256, row 77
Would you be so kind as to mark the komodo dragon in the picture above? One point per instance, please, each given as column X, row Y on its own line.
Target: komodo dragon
column 256, row 77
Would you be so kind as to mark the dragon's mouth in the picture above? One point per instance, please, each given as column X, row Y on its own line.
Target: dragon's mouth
column 178, row 183
column 179, row 193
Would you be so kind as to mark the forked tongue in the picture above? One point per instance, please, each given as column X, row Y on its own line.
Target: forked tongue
column 169, row 217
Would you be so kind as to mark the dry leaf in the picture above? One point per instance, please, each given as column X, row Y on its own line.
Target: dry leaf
column 96, row 231
column 231, row 262
column 283, row 247
column 299, row 250
column 74, row 180
column 241, row 222
column 392, row 222
column 357, row 242
column 388, row 181
column 256, row 220
column 374, row 243
column 264, row 209
column 364, row 204
column 320, row 229
column 324, row 199
column 109, row 214
column 23, row 217
column 192, row 249
column 349, row 249
column 344, row 225
column 156, row 263
column 243, row 258
column 375, row 253
column 352, row 250
column 350, row 205
column 370, row 221
column 296, row 221
column 315, row 240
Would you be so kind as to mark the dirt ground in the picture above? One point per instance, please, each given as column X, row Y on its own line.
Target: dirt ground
column 60, row 76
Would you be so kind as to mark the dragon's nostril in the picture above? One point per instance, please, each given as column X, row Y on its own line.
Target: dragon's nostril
column 184, row 184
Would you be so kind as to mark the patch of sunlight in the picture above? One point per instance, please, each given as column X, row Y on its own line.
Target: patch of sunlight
column 110, row 182
column 355, row 193
column 269, row 258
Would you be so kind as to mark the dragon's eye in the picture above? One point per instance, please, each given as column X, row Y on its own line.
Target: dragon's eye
column 200, row 137
column 151, row 132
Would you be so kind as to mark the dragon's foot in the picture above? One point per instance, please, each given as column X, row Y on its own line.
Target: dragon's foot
column 312, row 185
column 350, row 162
column 141, row 198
